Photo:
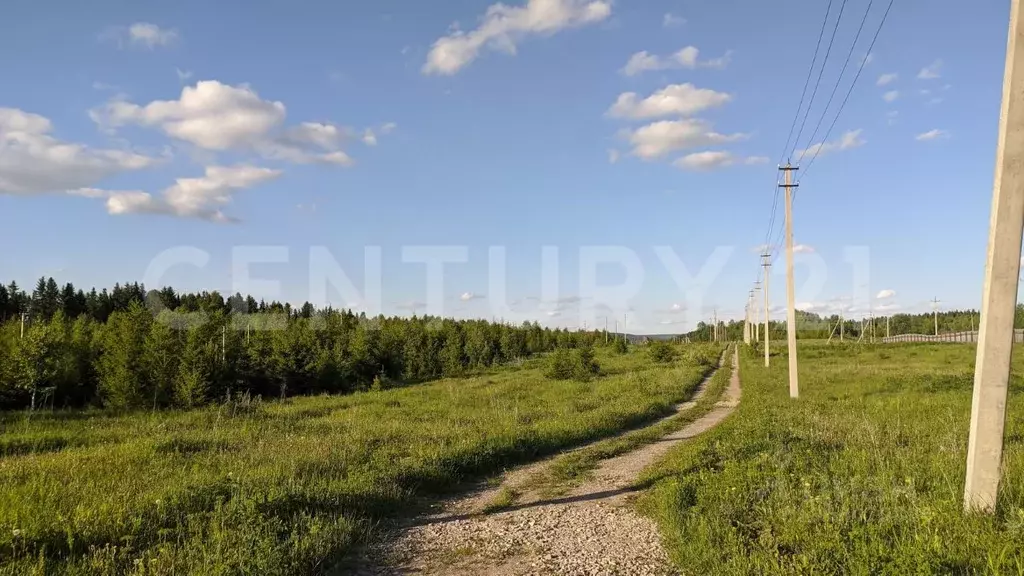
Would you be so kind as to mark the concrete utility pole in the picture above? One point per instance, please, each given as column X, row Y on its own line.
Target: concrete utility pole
column 794, row 385
column 887, row 326
column 757, row 323
column 999, row 294
column 715, row 320
column 23, row 324
column 935, row 313
column 842, row 325
column 748, row 332
column 766, row 262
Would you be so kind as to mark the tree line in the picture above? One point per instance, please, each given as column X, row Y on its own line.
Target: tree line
column 129, row 348
column 814, row 326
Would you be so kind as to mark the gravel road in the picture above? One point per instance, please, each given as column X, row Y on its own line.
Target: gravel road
column 592, row 530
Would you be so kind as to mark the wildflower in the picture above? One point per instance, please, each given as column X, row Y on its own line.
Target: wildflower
column 16, row 532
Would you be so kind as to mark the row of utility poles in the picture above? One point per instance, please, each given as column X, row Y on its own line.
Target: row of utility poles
column 999, row 292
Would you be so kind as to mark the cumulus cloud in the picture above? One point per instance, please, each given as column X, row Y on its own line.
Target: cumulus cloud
column 502, row 27
column 885, row 79
column 687, row 58
column 467, row 296
column 712, row 159
column 659, row 138
column 151, row 35
column 219, row 117
column 891, row 95
column 848, row 140
column 32, row 161
column 671, row 20
column 887, row 293
column 201, row 197
column 803, row 249
column 931, row 71
column 142, row 34
column 935, row 134
column 673, row 100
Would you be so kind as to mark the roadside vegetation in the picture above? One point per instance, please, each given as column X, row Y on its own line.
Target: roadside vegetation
column 289, row 486
column 863, row 474
column 571, row 469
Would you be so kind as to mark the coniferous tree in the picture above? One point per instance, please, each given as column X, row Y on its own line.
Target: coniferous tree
column 120, row 364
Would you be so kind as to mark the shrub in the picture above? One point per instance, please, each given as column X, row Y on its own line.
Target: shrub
column 661, row 351
column 619, row 346
column 577, row 364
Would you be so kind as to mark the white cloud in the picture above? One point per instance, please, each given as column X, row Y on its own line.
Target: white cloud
column 32, row 161
column 887, row 307
column 848, row 140
column 670, row 20
column 201, row 197
column 712, row 159
column 140, row 34
column 677, row 308
column 613, row 156
column 891, row 95
column 183, row 74
column 219, row 117
column 388, row 127
column 688, row 58
column 887, row 293
column 369, row 138
column 935, row 134
column 931, row 71
column 659, row 138
column 467, row 296
column 503, row 26
column 151, row 35
column 803, row 249
column 675, row 99
column 887, row 78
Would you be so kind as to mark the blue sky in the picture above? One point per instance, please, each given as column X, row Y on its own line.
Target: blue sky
column 397, row 124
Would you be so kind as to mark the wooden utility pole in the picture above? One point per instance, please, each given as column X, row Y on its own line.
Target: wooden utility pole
column 766, row 262
column 842, row 325
column 935, row 314
column 789, row 186
column 999, row 293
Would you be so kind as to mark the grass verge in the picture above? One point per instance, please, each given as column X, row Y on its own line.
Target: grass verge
column 863, row 474
column 288, row 487
column 571, row 469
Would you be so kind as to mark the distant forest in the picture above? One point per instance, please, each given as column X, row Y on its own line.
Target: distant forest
column 128, row 348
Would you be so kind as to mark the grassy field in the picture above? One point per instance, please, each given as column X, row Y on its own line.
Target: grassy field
column 288, row 487
column 863, row 474
column 571, row 469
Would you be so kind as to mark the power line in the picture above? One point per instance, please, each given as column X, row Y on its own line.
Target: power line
column 803, row 93
column 878, row 30
column 821, row 71
column 839, row 80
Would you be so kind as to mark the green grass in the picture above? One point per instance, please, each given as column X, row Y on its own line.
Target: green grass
column 571, row 469
column 863, row 474
column 288, row 487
